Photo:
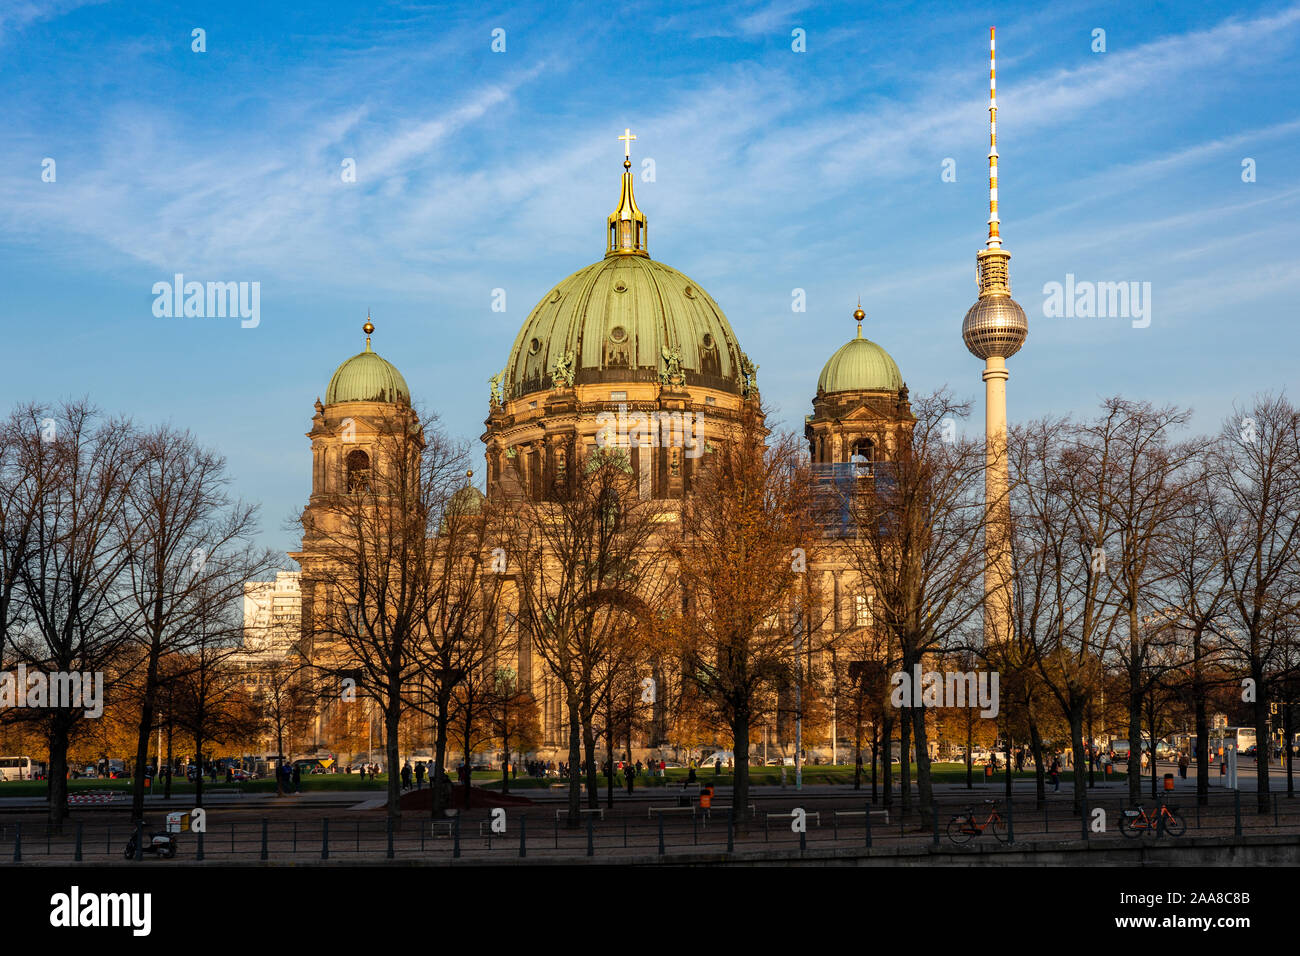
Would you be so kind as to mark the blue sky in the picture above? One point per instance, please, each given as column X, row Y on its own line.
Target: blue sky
column 774, row 170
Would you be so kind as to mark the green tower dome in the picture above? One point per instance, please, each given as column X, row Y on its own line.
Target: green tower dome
column 367, row 378
column 614, row 320
column 860, row 365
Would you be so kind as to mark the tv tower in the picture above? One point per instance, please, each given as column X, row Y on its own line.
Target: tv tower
column 994, row 329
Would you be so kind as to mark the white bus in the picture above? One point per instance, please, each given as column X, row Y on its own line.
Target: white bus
column 16, row 768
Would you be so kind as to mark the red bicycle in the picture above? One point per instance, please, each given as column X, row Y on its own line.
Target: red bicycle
column 964, row 827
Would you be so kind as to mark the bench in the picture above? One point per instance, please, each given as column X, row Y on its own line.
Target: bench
column 661, row 810
column 884, row 814
column 811, row 816
column 599, row 811
column 726, row 806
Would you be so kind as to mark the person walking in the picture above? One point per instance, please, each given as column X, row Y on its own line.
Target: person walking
column 419, row 775
column 297, row 779
column 406, row 775
column 630, row 772
column 1182, row 764
column 1055, row 773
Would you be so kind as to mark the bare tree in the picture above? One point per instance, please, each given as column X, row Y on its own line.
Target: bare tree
column 190, row 547
column 1059, row 524
column 1256, row 472
column 1140, row 476
column 748, row 531
column 919, row 548
column 375, row 581
column 586, row 575
column 1198, row 588
column 73, row 570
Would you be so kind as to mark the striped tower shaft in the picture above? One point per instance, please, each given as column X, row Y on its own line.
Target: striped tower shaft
column 997, row 536
column 995, row 241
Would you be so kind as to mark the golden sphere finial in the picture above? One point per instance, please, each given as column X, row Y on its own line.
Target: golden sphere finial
column 859, row 314
column 368, row 328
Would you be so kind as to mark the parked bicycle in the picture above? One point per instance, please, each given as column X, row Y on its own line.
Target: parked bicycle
column 1133, row 823
column 964, row 827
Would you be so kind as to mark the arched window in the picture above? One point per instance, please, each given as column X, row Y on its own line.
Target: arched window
column 358, row 467
column 863, row 457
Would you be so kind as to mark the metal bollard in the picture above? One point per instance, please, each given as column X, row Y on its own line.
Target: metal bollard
column 867, row 817
column 1160, row 822
column 390, row 838
column 934, row 822
column 198, row 854
column 591, row 826
column 139, row 839
column 523, row 835
column 325, row 839
column 731, row 829
column 1083, row 817
column 661, row 834
column 455, row 837
column 1236, row 803
column 18, row 843
column 265, row 855
column 77, row 855
column 1011, row 826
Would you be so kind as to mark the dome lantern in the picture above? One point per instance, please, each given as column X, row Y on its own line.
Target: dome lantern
column 627, row 224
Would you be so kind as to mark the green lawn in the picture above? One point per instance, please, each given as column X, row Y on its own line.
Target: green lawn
column 759, row 776
column 771, row 776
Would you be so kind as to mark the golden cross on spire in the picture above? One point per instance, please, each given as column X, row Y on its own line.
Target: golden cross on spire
column 627, row 138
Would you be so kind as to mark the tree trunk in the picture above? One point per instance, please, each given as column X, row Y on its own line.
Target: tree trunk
column 857, row 749
column 575, row 759
column 1006, row 753
column 1040, row 781
column 875, row 754
column 440, row 722
column 198, row 776
column 392, row 716
column 905, row 760
column 924, row 789
column 589, row 748
column 609, row 757
column 143, row 731
column 505, row 746
column 740, row 748
column 58, row 772
column 1076, row 744
column 887, row 758
column 1134, row 731
column 1263, row 747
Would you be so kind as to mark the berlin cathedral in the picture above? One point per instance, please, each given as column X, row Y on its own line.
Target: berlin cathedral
column 625, row 335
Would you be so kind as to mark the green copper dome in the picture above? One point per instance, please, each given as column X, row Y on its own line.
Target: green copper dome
column 627, row 319
column 367, row 378
column 616, row 318
column 860, row 365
